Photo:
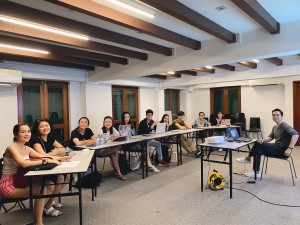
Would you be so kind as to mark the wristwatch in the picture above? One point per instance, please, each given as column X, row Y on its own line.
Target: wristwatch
column 291, row 148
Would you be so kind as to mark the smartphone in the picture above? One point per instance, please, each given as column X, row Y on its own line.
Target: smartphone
column 147, row 135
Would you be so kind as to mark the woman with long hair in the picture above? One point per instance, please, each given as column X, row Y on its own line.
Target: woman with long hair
column 16, row 157
column 44, row 143
column 113, row 152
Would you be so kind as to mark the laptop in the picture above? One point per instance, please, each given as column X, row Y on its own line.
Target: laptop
column 234, row 134
column 226, row 121
column 124, row 130
column 160, row 128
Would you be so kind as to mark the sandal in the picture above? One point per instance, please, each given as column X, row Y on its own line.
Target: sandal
column 52, row 212
column 121, row 177
column 57, row 205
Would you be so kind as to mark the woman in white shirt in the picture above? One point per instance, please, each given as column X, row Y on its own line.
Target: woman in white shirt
column 113, row 152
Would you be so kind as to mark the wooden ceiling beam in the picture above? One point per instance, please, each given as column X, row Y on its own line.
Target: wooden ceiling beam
column 61, row 50
column 188, row 72
column 206, row 70
column 259, row 14
column 275, row 60
column 186, row 14
column 56, row 57
column 225, row 67
column 59, row 39
column 33, row 60
column 116, row 17
column 251, row 65
column 157, row 76
column 30, row 14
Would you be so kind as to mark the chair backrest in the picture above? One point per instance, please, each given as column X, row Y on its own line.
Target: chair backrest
column 212, row 118
column 240, row 118
column 54, row 118
column 28, row 119
column 255, row 123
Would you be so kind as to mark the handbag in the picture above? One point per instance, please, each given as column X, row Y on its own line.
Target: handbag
column 47, row 166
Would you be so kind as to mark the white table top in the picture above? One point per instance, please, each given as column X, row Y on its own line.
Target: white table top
column 138, row 138
column 79, row 164
column 228, row 145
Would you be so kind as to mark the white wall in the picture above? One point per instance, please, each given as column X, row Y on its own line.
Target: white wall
column 98, row 104
column 9, row 116
column 259, row 101
column 147, row 100
column 200, row 102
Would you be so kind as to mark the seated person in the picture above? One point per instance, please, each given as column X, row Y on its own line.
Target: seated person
column 285, row 139
column 113, row 152
column 82, row 135
column 13, row 183
column 44, row 143
column 145, row 127
column 201, row 122
column 126, row 120
column 186, row 143
column 219, row 122
column 165, row 119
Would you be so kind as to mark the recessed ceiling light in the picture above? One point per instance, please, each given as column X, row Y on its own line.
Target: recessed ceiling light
column 24, row 49
column 134, row 6
column 255, row 60
column 170, row 72
column 42, row 27
column 221, row 8
column 209, row 67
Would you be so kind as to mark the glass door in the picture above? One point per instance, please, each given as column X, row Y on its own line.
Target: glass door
column 41, row 99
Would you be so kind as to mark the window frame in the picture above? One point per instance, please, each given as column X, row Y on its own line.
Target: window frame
column 124, row 103
column 225, row 98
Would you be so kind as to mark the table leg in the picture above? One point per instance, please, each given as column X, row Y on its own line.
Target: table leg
column 80, row 198
column 30, row 193
column 202, row 149
column 230, row 170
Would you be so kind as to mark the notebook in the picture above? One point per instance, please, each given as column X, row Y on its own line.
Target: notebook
column 160, row 128
column 234, row 134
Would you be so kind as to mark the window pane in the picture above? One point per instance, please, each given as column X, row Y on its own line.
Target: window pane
column 55, row 104
column 118, row 104
column 167, row 101
column 131, row 103
column 59, row 135
column 175, row 107
column 218, row 101
column 232, row 101
column 31, row 104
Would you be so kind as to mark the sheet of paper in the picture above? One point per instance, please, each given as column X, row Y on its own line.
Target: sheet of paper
column 69, row 164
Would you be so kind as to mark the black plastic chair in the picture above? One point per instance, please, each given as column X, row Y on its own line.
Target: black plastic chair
column 289, row 159
column 255, row 127
column 240, row 120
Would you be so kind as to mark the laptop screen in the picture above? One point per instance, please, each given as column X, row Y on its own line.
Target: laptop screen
column 233, row 133
column 160, row 128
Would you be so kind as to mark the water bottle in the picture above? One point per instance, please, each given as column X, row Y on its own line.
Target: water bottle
column 99, row 140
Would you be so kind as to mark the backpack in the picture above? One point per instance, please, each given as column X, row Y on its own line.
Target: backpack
column 90, row 180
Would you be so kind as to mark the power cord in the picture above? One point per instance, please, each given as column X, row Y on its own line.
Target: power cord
column 271, row 203
column 265, row 201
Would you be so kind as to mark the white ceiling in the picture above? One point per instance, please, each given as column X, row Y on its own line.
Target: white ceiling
column 232, row 18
